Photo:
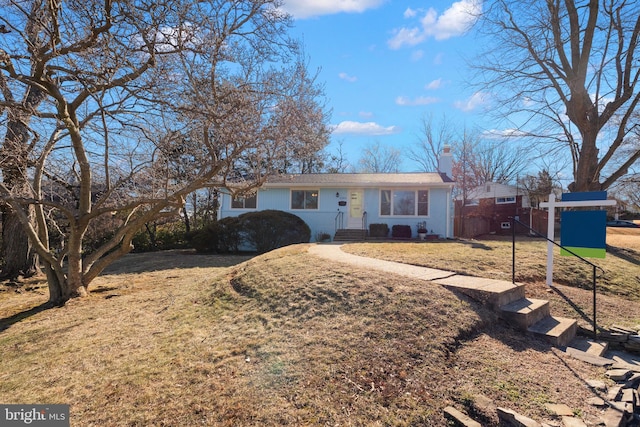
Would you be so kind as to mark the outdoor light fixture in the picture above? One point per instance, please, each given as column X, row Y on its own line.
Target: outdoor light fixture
column 337, row 194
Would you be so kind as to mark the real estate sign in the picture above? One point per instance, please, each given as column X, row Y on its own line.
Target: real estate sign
column 584, row 232
column 574, row 200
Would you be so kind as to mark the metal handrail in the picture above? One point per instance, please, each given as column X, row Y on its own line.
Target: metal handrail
column 537, row 233
column 339, row 221
column 364, row 220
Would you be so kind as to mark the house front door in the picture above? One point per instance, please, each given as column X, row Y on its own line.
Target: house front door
column 356, row 209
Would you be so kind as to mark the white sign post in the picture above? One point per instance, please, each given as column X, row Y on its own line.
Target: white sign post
column 552, row 204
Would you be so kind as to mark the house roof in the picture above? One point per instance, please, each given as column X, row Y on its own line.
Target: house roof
column 359, row 179
column 490, row 190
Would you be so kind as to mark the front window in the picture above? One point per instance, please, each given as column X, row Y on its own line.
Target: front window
column 244, row 202
column 404, row 202
column 504, row 200
column 304, row 199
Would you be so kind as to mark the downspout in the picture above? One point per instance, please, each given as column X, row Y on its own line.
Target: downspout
column 448, row 233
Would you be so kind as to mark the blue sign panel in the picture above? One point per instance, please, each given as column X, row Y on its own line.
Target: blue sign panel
column 584, row 233
column 586, row 195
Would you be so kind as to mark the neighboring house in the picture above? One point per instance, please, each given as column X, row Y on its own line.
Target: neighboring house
column 488, row 209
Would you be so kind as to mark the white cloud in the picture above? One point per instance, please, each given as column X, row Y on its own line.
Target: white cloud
column 301, row 9
column 406, row 36
column 364, row 128
column 504, row 133
column 434, row 84
column 347, row 77
column 365, row 114
column 417, row 55
column 455, row 21
column 410, row 13
column 420, row 100
column 475, row 101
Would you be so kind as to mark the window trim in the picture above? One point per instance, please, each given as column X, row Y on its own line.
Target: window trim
column 506, row 200
column 244, row 200
column 415, row 206
column 305, row 190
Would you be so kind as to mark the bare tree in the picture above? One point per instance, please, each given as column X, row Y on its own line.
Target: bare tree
column 464, row 165
column 537, row 187
column 142, row 105
column 338, row 162
column 376, row 158
column 570, row 68
column 426, row 153
column 498, row 161
column 301, row 123
column 478, row 161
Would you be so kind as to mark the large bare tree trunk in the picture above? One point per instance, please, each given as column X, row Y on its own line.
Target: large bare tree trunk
column 17, row 252
column 20, row 259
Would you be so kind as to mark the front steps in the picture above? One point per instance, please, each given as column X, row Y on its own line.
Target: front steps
column 509, row 301
column 350, row 235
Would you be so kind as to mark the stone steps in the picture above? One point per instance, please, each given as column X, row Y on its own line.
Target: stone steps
column 509, row 301
column 524, row 312
column 491, row 292
column 558, row 331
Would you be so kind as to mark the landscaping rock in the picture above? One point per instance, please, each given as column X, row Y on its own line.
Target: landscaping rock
column 573, row 422
column 597, row 401
column 559, row 410
column 459, row 418
column 618, row 374
column 513, row 419
column 597, row 385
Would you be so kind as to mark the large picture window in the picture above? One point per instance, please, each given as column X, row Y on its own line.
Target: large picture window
column 304, row 199
column 404, row 202
column 244, row 202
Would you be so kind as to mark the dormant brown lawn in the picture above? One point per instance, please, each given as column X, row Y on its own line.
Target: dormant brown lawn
column 281, row 339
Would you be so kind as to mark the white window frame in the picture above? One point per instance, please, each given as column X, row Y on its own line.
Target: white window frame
column 244, row 200
column 415, row 206
column 505, row 200
column 304, row 208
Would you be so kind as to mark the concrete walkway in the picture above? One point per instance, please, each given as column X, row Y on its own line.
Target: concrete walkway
column 334, row 252
column 490, row 291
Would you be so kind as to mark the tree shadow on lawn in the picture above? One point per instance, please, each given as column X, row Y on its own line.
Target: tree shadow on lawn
column 9, row 321
column 628, row 255
column 172, row 259
column 139, row 263
column 573, row 305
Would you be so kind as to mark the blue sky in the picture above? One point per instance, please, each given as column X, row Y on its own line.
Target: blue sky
column 387, row 64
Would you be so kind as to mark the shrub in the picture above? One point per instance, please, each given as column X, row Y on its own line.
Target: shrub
column 401, row 232
column 220, row 237
column 378, row 230
column 271, row 229
column 322, row 236
column 160, row 237
column 229, row 234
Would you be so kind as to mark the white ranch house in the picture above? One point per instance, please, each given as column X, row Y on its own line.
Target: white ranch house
column 331, row 202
